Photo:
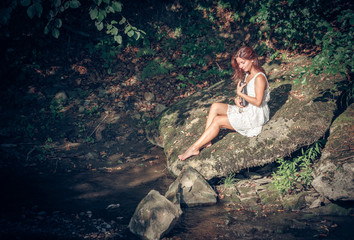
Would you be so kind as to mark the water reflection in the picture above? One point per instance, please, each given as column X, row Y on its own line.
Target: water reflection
column 214, row 222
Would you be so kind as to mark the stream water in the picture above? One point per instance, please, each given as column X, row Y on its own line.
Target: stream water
column 82, row 198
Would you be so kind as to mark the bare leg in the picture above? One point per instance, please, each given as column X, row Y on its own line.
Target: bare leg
column 210, row 133
column 216, row 109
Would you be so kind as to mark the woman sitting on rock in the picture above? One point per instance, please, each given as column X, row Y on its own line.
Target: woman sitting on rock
column 247, row 120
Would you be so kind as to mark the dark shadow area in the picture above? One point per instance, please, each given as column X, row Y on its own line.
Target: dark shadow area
column 275, row 61
column 192, row 103
column 345, row 99
column 221, row 135
column 42, row 197
column 278, row 97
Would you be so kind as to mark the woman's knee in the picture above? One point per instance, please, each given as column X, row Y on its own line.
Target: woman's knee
column 218, row 108
column 215, row 107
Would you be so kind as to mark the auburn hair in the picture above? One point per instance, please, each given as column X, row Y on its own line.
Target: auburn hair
column 246, row 53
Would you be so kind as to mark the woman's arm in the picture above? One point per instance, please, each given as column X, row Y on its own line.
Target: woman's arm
column 260, row 86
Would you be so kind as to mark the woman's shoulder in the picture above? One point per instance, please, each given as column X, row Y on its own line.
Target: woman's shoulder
column 260, row 79
column 260, row 76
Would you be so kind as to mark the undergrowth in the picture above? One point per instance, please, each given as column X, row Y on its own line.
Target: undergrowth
column 229, row 180
column 296, row 171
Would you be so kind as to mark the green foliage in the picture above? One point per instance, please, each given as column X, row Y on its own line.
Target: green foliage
column 156, row 67
column 327, row 24
column 54, row 23
column 92, row 111
column 185, row 80
column 292, row 20
column 347, row 96
column 56, row 107
column 262, row 49
column 89, row 140
column 108, row 50
column 337, row 50
column 296, row 170
column 100, row 11
column 229, row 181
column 82, row 129
column 145, row 52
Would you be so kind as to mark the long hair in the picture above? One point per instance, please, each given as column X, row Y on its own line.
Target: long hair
column 246, row 53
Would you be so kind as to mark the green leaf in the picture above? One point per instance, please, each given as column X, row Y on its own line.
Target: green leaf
column 122, row 21
column 51, row 14
column 130, row 33
column 93, row 13
column 99, row 25
column 110, row 9
column 57, row 3
column 101, row 15
column 35, row 9
column 118, row 39
column 55, row 32
column 117, row 6
column 137, row 35
column 31, row 11
column 114, row 31
column 351, row 21
column 58, row 23
column 25, row 3
column 290, row 2
column 127, row 29
column 46, row 29
column 74, row 4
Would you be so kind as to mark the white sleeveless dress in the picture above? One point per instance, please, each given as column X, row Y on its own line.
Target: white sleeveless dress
column 250, row 119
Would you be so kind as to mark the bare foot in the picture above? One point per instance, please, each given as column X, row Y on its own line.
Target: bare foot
column 190, row 152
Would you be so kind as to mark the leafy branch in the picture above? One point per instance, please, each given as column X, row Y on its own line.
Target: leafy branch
column 99, row 12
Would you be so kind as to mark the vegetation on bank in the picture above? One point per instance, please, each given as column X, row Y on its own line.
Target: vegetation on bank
column 185, row 43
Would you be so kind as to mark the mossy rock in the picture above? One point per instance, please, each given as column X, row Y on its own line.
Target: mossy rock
column 228, row 194
column 334, row 172
column 269, row 197
column 300, row 115
column 295, row 201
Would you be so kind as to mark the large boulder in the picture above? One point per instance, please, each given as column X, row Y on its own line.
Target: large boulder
column 334, row 173
column 154, row 217
column 190, row 189
column 300, row 115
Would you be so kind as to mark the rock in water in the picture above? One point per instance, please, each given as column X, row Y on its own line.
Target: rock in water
column 154, row 217
column 334, row 173
column 299, row 117
column 190, row 189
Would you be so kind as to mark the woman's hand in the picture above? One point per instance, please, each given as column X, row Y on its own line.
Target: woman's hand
column 238, row 102
column 240, row 87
